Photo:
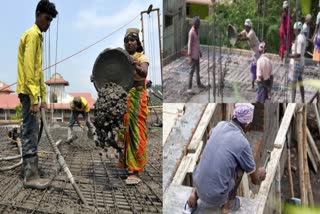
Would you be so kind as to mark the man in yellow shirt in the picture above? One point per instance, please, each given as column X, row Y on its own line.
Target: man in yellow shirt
column 32, row 91
column 79, row 105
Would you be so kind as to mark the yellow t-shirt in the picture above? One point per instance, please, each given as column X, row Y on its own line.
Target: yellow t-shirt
column 30, row 76
column 84, row 106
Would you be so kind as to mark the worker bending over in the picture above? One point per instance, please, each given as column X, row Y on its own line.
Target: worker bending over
column 79, row 105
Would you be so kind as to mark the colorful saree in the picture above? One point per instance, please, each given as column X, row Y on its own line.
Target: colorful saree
column 284, row 30
column 135, row 133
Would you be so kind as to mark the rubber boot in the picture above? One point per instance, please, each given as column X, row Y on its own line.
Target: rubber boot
column 31, row 174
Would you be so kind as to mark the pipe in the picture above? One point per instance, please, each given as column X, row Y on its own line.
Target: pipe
column 60, row 158
column 12, row 158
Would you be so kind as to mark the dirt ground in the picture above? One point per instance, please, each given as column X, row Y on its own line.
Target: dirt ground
column 95, row 171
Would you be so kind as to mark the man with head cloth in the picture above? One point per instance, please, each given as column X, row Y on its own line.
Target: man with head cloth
column 249, row 35
column 226, row 156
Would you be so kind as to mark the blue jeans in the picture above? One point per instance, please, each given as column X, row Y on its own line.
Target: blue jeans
column 30, row 128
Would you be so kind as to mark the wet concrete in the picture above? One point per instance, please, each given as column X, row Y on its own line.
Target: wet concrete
column 108, row 111
column 237, row 82
column 95, row 171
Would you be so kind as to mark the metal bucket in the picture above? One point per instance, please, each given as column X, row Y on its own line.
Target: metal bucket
column 113, row 65
column 232, row 34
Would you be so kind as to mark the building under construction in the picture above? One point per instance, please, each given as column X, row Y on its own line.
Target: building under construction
column 283, row 137
column 224, row 68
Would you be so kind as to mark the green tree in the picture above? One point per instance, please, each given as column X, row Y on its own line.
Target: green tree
column 18, row 114
column 266, row 21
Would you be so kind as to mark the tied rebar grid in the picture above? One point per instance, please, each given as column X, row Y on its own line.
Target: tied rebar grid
column 98, row 176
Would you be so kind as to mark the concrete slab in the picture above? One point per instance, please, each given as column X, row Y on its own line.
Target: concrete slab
column 177, row 195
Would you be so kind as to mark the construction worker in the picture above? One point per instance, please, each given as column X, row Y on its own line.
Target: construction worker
column 306, row 28
column 79, row 105
column 134, row 158
column 285, row 30
column 297, row 61
column 194, row 53
column 316, row 40
column 32, row 91
column 249, row 35
column 226, row 156
column 264, row 75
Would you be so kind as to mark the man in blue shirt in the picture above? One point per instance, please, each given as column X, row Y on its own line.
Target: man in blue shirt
column 226, row 156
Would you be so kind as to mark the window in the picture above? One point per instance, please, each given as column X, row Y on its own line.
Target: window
column 168, row 20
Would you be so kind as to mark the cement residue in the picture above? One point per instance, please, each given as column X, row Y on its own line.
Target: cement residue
column 109, row 111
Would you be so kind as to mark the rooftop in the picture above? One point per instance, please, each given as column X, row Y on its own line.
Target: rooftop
column 57, row 79
column 237, row 81
column 4, row 88
column 10, row 101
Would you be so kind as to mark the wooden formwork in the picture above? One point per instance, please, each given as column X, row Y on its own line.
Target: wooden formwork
column 277, row 130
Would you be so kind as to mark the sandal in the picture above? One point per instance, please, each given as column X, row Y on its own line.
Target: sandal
column 187, row 209
column 236, row 205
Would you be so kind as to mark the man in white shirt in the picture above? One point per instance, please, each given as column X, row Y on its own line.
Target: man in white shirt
column 297, row 61
column 306, row 27
column 249, row 35
column 264, row 74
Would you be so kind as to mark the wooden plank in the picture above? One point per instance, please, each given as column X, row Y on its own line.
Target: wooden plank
column 312, row 160
column 177, row 143
column 305, row 168
column 313, row 146
column 317, row 115
column 202, row 126
column 245, row 185
column 275, row 156
column 182, row 170
column 285, row 123
column 171, row 112
column 195, row 157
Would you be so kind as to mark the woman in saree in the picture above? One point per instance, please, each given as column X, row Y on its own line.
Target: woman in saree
column 285, row 31
column 135, row 119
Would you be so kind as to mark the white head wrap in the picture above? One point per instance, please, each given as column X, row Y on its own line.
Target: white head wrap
column 248, row 23
column 243, row 112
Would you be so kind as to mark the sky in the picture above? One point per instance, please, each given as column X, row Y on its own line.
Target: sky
column 80, row 23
